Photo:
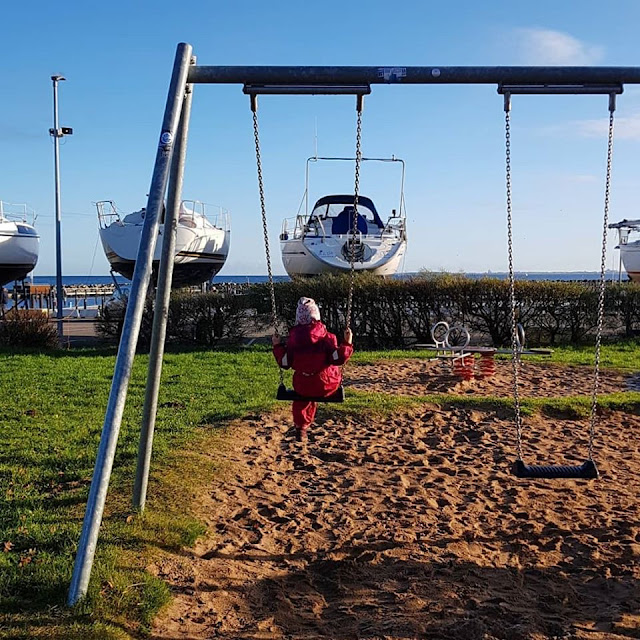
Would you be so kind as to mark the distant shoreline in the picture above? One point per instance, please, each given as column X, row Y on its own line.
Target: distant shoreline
column 256, row 279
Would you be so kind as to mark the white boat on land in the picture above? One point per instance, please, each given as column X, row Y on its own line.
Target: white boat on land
column 321, row 241
column 19, row 242
column 629, row 245
column 202, row 241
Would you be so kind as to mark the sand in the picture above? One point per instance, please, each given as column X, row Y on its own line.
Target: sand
column 412, row 527
column 416, row 377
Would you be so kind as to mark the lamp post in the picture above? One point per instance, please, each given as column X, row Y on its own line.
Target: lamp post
column 57, row 133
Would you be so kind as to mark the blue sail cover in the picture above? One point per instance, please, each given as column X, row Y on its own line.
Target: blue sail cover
column 343, row 221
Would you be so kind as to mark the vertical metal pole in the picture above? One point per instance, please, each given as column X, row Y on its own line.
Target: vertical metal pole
column 619, row 261
column 131, row 328
column 57, row 134
column 306, row 190
column 161, row 310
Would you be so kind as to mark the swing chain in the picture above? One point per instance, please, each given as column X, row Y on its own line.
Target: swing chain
column 515, row 360
column 354, row 223
column 602, row 288
column 602, row 283
column 265, row 229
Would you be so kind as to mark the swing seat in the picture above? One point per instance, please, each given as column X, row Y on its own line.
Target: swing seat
column 582, row 471
column 289, row 395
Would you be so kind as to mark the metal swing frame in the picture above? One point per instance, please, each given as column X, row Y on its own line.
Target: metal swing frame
column 167, row 175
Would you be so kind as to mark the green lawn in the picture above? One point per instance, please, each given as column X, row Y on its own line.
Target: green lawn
column 622, row 355
column 51, row 417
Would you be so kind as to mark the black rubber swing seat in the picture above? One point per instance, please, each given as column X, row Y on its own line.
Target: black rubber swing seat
column 583, row 471
column 290, row 395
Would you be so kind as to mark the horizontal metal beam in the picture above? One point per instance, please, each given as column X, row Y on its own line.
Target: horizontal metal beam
column 289, row 76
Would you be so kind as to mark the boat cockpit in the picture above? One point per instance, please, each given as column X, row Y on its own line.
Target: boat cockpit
column 335, row 214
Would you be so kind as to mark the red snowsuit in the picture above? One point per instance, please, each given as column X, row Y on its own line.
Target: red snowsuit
column 315, row 355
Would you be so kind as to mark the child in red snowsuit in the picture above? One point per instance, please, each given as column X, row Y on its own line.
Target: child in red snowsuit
column 315, row 355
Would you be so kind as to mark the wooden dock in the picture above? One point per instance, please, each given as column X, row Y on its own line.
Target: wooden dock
column 43, row 296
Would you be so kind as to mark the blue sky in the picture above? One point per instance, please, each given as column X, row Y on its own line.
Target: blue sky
column 117, row 58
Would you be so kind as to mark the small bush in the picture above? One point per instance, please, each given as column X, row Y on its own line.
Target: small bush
column 27, row 328
column 111, row 318
column 194, row 318
column 207, row 319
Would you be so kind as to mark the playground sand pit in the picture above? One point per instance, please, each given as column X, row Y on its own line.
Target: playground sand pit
column 412, row 527
column 419, row 377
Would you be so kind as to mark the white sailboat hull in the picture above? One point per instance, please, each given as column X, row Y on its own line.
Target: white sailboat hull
column 630, row 256
column 315, row 256
column 19, row 248
column 200, row 253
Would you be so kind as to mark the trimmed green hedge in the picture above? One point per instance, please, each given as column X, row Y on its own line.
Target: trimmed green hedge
column 204, row 319
column 391, row 313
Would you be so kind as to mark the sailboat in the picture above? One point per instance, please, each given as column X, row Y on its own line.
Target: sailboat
column 323, row 240
column 629, row 245
column 19, row 242
column 202, row 241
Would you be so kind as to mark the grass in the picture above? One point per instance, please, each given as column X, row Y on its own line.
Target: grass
column 50, row 421
column 622, row 356
column 51, row 417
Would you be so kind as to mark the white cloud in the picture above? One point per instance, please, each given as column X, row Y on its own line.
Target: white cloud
column 582, row 178
column 625, row 128
column 548, row 47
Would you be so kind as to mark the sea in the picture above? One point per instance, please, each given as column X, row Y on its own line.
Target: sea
column 95, row 280
column 256, row 279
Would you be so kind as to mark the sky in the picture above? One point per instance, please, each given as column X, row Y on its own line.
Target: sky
column 117, row 58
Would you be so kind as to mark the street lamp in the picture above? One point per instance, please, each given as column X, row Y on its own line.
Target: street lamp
column 57, row 133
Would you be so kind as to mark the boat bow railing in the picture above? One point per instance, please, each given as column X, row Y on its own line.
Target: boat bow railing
column 107, row 213
column 17, row 212
column 294, row 228
column 396, row 226
column 299, row 227
column 193, row 210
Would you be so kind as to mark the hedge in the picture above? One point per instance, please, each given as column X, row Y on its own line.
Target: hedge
column 204, row 319
column 391, row 313
column 395, row 312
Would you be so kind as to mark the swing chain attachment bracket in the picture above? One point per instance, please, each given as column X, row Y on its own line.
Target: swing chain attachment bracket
column 560, row 89
column 612, row 90
column 306, row 89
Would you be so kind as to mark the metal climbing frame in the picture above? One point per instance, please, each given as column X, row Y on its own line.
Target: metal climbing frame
column 281, row 80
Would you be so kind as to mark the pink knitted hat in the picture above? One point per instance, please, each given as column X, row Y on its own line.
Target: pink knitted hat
column 307, row 311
